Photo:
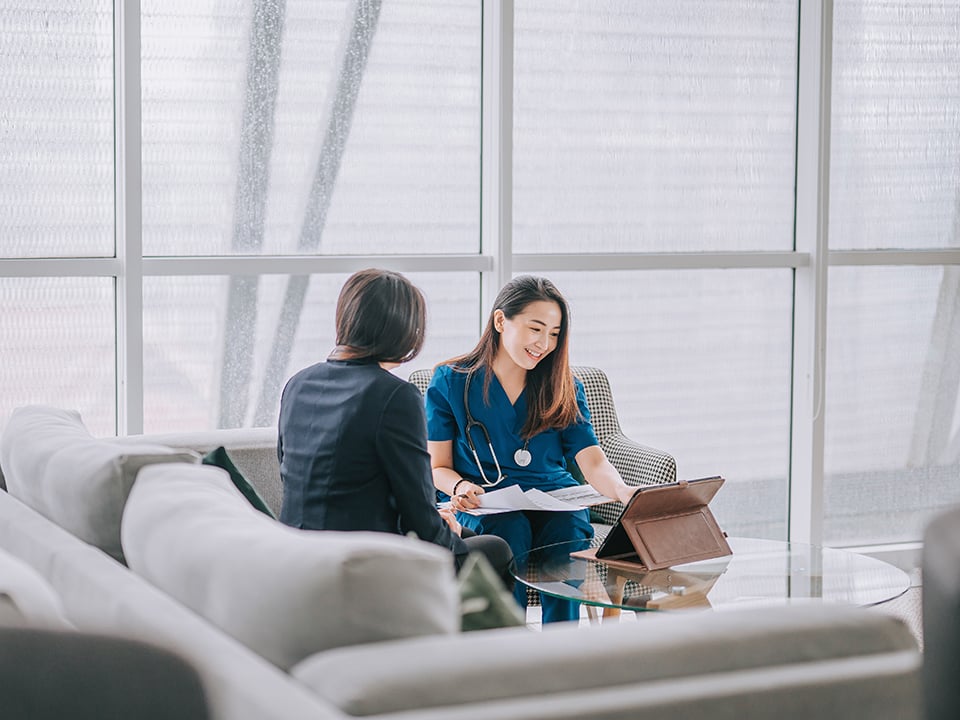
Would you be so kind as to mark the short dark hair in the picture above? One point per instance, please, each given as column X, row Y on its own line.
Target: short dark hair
column 381, row 316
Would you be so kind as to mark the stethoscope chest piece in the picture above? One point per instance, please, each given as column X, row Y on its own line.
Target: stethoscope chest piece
column 522, row 457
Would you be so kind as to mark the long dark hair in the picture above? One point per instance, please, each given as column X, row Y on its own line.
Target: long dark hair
column 381, row 316
column 551, row 394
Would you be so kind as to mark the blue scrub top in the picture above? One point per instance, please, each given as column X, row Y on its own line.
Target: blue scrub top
column 447, row 418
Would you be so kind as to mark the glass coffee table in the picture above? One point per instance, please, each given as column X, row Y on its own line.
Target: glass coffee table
column 759, row 572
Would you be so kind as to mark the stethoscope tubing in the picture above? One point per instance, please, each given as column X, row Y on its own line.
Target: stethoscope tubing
column 472, row 422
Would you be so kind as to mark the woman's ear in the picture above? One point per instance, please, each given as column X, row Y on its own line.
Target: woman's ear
column 498, row 318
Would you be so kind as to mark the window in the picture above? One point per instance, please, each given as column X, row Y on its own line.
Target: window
column 706, row 375
column 57, row 336
column 56, row 130
column 892, row 456
column 666, row 127
column 311, row 127
column 202, row 373
column 56, row 201
column 892, row 450
column 651, row 158
column 296, row 128
column 895, row 164
column 656, row 126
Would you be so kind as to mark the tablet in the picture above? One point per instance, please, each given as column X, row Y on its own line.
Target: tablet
column 665, row 525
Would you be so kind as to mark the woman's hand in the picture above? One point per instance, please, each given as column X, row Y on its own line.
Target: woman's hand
column 603, row 476
column 467, row 496
column 450, row 517
column 463, row 493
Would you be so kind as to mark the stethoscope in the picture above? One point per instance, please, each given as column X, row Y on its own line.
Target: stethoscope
column 521, row 457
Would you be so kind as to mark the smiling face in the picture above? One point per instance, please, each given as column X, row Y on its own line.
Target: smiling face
column 530, row 335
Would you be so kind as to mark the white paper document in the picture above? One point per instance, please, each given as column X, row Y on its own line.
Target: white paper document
column 513, row 498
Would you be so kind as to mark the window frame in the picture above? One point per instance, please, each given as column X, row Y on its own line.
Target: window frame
column 496, row 262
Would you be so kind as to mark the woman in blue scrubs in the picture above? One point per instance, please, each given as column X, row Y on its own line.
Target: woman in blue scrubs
column 527, row 415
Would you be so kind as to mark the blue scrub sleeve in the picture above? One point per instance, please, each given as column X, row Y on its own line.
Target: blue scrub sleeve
column 580, row 434
column 441, row 422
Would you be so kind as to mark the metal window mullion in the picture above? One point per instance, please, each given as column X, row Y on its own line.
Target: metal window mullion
column 311, row 264
column 128, row 217
column 918, row 257
column 597, row 262
column 547, row 262
column 810, row 289
column 60, row 267
column 496, row 155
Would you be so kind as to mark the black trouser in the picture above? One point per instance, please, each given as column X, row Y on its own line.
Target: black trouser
column 495, row 549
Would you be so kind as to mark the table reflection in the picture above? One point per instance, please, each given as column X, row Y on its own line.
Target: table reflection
column 762, row 572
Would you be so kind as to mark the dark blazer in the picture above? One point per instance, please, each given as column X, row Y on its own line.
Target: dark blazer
column 353, row 454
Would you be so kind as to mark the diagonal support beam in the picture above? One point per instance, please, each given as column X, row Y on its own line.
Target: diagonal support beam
column 940, row 384
column 352, row 57
column 250, row 205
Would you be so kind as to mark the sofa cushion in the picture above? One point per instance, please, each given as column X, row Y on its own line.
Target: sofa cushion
column 26, row 599
column 102, row 596
column 252, row 450
column 428, row 673
column 53, row 464
column 286, row 593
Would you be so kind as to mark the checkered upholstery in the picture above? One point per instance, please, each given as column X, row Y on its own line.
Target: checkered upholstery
column 636, row 463
column 421, row 378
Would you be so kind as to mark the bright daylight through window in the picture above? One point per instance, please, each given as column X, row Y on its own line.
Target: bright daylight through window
column 753, row 208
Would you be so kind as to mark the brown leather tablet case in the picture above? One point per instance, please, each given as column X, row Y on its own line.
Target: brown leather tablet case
column 666, row 525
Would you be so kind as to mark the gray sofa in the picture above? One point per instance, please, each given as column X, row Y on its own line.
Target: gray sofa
column 221, row 585
column 941, row 615
column 52, row 675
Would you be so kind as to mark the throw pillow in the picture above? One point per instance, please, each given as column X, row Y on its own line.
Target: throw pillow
column 484, row 601
column 26, row 598
column 220, row 459
column 53, row 465
column 285, row 593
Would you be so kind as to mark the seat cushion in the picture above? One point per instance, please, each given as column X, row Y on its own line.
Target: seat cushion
column 284, row 592
column 53, row 464
column 509, row 663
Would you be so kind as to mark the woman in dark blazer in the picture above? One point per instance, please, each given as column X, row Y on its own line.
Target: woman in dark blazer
column 353, row 436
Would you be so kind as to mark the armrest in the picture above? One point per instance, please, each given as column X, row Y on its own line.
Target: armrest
column 484, row 667
column 638, row 465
